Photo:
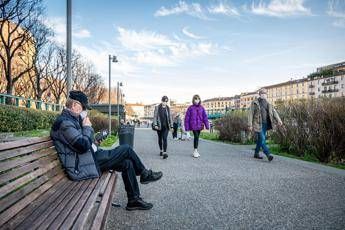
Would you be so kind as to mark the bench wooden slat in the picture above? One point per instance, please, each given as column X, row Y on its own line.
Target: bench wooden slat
column 105, row 184
column 86, row 210
column 4, row 190
column 6, row 165
column 13, row 210
column 105, row 204
column 56, row 224
column 53, row 211
column 73, row 215
column 35, row 206
column 35, row 192
column 21, row 143
column 37, row 217
column 5, row 177
column 19, row 194
column 21, row 151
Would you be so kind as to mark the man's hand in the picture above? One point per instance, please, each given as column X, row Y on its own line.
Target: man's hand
column 250, row 128
column 87, row 122
column 156, row 127
column 280, row 123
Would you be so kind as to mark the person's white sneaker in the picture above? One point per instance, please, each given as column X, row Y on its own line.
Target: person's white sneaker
column 196, row 154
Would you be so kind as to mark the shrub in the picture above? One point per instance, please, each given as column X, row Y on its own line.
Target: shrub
column 315, row 127
column 100, row 121
column 15, row 119
column 233, row 127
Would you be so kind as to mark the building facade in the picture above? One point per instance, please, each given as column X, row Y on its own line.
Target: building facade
column 219, row 104
column 246, row 99
column 328, row 81
column 290, row 90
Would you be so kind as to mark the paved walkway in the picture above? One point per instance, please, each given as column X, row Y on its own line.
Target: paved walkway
column 228, row 189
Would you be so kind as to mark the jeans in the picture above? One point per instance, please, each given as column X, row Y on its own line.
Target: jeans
column 196, row 134
column 261, row 140
column 162, row 139
column 125, row 160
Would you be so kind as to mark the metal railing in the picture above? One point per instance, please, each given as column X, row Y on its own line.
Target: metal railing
column 29, row 103
column 330, row 91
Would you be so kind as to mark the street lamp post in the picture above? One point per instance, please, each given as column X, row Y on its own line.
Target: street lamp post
column 112, row 58
column 117, row 100
column 69, row 45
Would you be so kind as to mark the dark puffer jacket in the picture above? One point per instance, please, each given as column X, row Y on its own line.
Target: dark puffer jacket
column 73, row 143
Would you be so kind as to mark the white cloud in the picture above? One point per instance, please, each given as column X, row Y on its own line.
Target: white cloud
column 58, row 24
column 190, row 34
column 83, row 33
column 193, row 9
column 280, row 8
column 142, row 40
column 99, row 55
column 336, row 9
column 152, row 48
column 223, row 8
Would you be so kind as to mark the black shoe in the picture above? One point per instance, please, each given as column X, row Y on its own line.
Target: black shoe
column 257, row 156
column 149, row 176
column 138, row 204
column 270, row 157
column 165, row 156
column 161, row 154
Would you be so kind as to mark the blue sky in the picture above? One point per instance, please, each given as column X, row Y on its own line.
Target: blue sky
column 212, row 48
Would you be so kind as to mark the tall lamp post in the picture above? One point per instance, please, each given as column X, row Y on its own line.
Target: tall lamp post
column 69, row 45
column 117, row 100
column 112, row 58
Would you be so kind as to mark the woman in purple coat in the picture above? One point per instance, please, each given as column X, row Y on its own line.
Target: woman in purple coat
column 196, row 120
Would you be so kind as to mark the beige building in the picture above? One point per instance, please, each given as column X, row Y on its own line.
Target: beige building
column 290, row 90
column 179, row 108
column 138, row 111
column 219, row 104
column 246, row 99
column 22, row 58
column 328, row 81
column 149, row 111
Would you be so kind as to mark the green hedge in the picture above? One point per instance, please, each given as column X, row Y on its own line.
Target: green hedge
column 15, row 119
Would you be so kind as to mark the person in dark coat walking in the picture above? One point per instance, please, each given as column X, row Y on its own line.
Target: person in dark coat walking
column 176, row 125
column 162, row 123
column 196, row 120
column 73, row 138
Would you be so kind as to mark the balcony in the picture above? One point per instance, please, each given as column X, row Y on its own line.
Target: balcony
column 330, row 91
column 330, row 83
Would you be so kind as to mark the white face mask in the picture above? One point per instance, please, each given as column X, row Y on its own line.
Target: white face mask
column 83, row 114
column 164, row 103
column 196, row 101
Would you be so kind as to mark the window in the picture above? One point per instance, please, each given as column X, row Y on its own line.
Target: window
column 342, row 86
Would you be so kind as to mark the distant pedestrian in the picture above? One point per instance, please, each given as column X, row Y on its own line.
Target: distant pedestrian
column 162, row 123
column 176, row 125
column 211, row 126
column 261, row 118
column 196, row 120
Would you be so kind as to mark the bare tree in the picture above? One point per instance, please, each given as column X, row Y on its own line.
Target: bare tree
column 18, row 18
column 86, row 80
column 57, row 80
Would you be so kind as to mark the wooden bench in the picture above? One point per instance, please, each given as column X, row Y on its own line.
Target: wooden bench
column 36, row 194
